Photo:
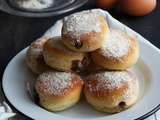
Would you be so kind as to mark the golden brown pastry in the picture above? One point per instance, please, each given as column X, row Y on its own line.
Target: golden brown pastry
column 58, row 90
column 58, row 56
column 119, row 52
column 85, row 31
column 34, row 57
column 111, row 91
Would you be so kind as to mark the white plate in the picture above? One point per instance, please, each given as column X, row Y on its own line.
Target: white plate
column 147, row 69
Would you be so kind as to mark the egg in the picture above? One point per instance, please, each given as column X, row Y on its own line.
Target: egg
column 106, row 4
column 138, row 7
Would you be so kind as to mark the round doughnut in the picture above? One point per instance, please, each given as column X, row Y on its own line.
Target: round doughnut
column 34, row 56
column 85, row 31
column 119, row 52
column 58, row 91
column 112, row 91
column 58, row 56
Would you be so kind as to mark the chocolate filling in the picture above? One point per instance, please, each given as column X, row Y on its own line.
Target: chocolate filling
column 75, row 65
column 40, row 59
column 78, row 44
column 86, row 61
column 122, row 104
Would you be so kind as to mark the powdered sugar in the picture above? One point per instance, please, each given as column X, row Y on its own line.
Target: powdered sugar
column 110, row 80
column 34, row 4
column 133, row 88
column 80, row 23
column 55, row 82
column 117, row 45
column 128, row 93
column 37, row 47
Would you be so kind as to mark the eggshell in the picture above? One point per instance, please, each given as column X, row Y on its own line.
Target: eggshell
column 138, row 7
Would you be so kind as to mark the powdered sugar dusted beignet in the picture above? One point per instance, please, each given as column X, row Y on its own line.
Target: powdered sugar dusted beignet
column 58, row 90
column 59, row 57
column 119, row 52
column 111, row 91
column 85, row 31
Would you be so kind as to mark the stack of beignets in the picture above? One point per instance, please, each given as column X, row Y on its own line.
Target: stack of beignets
column 88, row 47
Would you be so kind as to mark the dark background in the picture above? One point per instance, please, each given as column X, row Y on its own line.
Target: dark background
column 17, row 33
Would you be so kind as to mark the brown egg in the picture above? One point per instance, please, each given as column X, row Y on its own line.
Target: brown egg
column 138, row 7
column 106, row 4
